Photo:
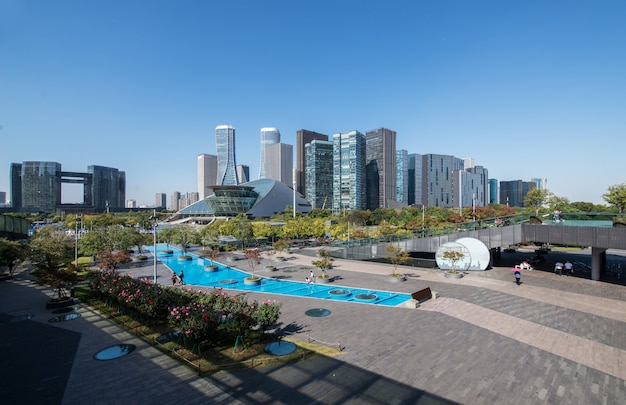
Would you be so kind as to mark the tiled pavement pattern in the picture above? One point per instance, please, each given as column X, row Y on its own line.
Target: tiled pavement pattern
column 484, row 341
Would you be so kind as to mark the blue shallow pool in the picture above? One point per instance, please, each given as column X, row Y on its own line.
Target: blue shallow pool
column 227, row 277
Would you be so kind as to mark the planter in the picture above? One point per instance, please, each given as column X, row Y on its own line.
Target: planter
column 270, row 268
column 167, row 252
column 396, row 278
column 453, row 275
column 60, row 302
column 323, row 280
column 140, row 258
column 252, row 281
column 184, row 257
column 210, row 268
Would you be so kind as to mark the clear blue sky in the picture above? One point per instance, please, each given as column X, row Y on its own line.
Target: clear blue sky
column 527, row 88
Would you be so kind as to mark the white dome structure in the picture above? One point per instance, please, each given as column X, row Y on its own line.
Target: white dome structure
column 475, row 255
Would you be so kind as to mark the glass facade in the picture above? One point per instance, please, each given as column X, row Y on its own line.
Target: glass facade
column 381, row 167
column 415, row 179
column 226, row 165
column 269, row 136
column 303, row 138
column 349, row 171
column 108, row 188
column 402, row 176
column 319, row 173
column 41, row 185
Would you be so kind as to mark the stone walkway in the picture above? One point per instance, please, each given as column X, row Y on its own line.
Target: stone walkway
column 485, row 340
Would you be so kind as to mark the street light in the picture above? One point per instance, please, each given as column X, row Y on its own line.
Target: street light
column 154, row 252
column 76, row 240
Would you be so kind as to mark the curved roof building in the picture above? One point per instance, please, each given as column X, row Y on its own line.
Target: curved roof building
column 261, row 198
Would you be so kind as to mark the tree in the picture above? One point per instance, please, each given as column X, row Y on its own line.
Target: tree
column 616, row 196
column 396, row 256
column 536, row 198
column 324, row 263
column 453, row 256
column 185, row 236
column 253, row 256
column 51, row 253
column 12, row 253
column 111, row 260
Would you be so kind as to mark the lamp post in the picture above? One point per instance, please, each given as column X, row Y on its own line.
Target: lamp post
column 154, row 252
column 76, row 240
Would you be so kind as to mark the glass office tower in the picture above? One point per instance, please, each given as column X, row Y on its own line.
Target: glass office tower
column 381, row 168
column 349, row 171
column 41, row 185
column 225, row 146
column 318, row 172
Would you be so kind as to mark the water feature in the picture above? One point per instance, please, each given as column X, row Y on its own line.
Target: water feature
column 230, row 278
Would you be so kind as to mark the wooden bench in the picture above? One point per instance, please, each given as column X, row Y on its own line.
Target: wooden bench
column 422, row 295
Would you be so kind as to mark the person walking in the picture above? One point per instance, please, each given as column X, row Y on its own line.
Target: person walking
column 569, row 268
column 180, row 276
column 174, row 278
column 518, row 277
column 558, row 268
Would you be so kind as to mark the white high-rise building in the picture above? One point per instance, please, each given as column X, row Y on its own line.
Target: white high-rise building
column 280, row 163
column 207, row 174
column 269, row 136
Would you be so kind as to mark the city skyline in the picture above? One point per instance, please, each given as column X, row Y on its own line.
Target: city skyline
column 528, row 90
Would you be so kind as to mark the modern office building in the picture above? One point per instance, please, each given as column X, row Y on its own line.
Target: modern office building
column 207, row 174
column 513, row 193
column 226, row 164
column 279, row 164
column 438, row 183
column 303, row 138
column 108, row 187
column 473, row 189
column 175, row 201
column 494, row 192
column 41, row 186
column 3, row 197
column 37, row 186
column 349, row 171
column 269, row 136
column 415, row 180
column 131, row 203
column 318, row 172
column 402, row 177
column 380, row 168
column 160, row 200
column 243, row 173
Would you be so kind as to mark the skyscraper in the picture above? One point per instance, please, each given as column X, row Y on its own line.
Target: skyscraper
column 41, row 186
column 402, row 177
column 108, row 187
column 160, row 200
column 225, row 146
column 16, row 185
column 269, row 136
column 415, row 179
column 243, row 173
column 349, row 171
column 207, row 174
column 280, row 163
column 438, row 185
column 319, row 173
column 304, row 137
column 381, row 168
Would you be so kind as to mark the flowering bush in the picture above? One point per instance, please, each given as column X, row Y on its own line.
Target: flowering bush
column 267, row 313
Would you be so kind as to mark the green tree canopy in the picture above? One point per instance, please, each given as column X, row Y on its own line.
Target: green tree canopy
column 616, row 196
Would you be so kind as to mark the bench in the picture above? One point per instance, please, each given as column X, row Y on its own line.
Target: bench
column 422, row 295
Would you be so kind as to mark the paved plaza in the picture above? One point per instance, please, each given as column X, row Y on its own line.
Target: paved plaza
column 484, row 340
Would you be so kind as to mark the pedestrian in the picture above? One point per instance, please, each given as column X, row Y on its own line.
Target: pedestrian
column 558, row 268
column 308, row 280
column 518, row 277
column 180, row 276
column 312, row 277
column 569, row 268
column 174, row 279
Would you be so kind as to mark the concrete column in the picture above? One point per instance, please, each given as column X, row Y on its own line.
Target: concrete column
column 598, row 258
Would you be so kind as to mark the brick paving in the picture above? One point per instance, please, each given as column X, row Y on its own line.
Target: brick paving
column 484, row 341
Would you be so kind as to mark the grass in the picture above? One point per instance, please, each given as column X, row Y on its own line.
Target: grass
column 221, row 358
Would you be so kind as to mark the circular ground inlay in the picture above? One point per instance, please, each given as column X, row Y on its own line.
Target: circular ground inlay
column 17, row 318
column 280, row 348
column 228, row 281
column 114, row 352
column 63, row 318
column 366, row 297
column 317, row 312
column 169, row 337
column 65, row 310
column 339, row 292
